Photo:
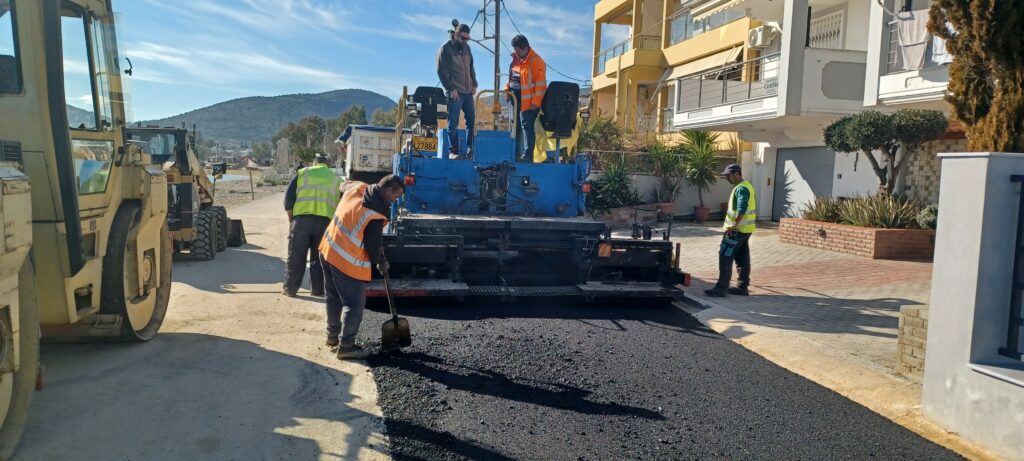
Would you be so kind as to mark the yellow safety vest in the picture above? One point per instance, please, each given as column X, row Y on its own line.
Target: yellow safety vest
column 316, row 191
column 748, row 222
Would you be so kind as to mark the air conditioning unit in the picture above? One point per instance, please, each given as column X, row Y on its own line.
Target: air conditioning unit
column 761, row 37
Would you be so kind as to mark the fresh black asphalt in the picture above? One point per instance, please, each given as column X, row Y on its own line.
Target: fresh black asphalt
column 556, row 380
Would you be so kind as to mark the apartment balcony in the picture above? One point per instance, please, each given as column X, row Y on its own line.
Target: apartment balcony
column 745, row 97
column 912, row 74
column 641, row 50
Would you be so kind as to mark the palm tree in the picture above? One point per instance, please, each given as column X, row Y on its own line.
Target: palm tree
column 701, row 162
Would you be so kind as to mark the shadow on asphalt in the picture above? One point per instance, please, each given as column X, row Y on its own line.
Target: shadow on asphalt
column 490, row 382
column 187, row 396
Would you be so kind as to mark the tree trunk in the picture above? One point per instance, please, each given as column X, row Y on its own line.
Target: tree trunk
column 880, row 173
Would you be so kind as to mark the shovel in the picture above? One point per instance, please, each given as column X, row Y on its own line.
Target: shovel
column 394, row 333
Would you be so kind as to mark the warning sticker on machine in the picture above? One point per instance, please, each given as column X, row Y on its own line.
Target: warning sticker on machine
column 424, row 143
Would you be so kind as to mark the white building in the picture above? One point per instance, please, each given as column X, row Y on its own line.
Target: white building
column 815, row 61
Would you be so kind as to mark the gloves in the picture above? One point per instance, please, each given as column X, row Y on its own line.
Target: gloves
column 383, row 266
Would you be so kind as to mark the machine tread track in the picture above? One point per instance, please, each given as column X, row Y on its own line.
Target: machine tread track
column 204, row 246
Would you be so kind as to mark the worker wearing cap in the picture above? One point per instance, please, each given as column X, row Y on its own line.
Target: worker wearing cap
column 349, row 249
column 312, row 195
column 458, row 77
column 740, row 223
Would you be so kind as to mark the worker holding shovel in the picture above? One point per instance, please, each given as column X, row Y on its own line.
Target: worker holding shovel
column 350, row 248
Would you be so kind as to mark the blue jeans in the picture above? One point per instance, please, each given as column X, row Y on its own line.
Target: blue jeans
column 465, row 105
column 346, row 300
column 528, row 118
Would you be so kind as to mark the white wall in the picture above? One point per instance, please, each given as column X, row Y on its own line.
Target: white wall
column 759, row 169
column 848, row 183
column 858, row 15
column 968, row 387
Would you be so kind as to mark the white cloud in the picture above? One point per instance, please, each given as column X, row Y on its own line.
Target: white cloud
column 76, row 67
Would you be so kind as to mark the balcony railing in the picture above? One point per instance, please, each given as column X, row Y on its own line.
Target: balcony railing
column 683, row 27
column 732, row 83
column 894, row 59
column 646, row 42
column 647, row 124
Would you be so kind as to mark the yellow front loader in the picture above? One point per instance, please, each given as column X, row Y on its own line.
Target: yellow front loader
column 85, row 254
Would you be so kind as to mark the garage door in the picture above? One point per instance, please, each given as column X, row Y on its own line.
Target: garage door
column 801, row 174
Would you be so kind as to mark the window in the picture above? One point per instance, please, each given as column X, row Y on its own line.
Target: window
column 10, row 72
column 86, row 71
column 160, row 145
column 78, row 90
column 101, row 70
column 92, row 164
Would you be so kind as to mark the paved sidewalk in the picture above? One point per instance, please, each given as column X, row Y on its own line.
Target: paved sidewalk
column 848, row 303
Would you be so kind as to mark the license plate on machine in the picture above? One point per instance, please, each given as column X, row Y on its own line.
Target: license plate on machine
column 424, row 143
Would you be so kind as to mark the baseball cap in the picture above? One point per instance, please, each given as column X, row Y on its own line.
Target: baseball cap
column 732, row 168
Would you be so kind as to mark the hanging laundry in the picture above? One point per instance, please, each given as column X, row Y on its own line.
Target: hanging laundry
column 913, row 38
column 939, row 53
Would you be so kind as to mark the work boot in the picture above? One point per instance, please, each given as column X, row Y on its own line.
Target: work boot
column 289, row 293
column 715, row 293
column 353, row 352
column 317, row 294
column 740, row 291
column 469, row 153
column 332, row 341
column 453, row 154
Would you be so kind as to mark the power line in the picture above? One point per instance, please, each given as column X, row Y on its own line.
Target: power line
column 507, row 13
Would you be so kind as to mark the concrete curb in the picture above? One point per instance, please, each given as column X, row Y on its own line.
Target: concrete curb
column 881, row 391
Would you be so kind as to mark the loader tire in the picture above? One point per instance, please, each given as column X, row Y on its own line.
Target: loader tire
column 141, row 316
column 204, row 246
column 222, row 225
column 18, row 395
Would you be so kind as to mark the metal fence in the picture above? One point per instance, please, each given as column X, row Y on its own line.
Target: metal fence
column 732, row 83
column 1014, row 345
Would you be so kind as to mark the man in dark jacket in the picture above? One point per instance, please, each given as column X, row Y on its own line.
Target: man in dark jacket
column 458, row 77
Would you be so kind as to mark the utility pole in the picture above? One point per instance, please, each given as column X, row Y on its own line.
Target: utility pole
column 496, row 106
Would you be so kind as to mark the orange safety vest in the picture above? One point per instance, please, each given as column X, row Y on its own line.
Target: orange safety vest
column 342, row 245
column 533, row 80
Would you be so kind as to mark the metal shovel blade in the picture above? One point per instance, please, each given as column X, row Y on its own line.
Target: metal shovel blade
column 395, row 334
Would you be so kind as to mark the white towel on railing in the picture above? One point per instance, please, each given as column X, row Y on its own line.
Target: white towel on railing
column 939, row 53
column 913, row 38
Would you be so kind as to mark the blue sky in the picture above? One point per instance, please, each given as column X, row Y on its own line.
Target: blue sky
column 189, row 54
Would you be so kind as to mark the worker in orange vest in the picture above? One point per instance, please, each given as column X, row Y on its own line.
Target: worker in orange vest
column 530, row 72
column 350, row 248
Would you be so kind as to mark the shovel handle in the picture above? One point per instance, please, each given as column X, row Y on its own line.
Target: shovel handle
column 387, row 288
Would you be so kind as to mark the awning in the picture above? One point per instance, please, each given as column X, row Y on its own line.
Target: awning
column 714, row 7
column 712, row 62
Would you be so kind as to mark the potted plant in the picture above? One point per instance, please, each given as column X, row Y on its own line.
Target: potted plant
column 667, row 164
column 701, row 166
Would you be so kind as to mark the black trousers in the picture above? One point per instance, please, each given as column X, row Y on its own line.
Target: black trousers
column 735, row 248
column 303, row 244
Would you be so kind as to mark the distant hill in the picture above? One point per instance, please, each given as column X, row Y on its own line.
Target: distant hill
column 259, row 118
column 78, row 116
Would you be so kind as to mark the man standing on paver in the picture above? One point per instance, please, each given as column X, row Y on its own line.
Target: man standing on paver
column 458, row 77
column 740, row 223
column 309, row 201
column 349, row 250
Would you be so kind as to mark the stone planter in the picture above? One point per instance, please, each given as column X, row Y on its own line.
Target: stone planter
column 700, row 214
column 860, row 241
column 625, row 216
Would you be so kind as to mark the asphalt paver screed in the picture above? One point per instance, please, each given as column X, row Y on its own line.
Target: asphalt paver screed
column 548, row 380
